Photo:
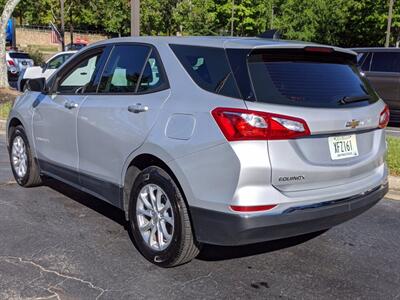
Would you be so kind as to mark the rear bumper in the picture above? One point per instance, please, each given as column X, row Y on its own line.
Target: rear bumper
column 234, row 229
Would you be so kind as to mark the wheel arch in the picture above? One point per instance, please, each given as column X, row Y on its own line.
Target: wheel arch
column 12, row 124
column 141, row 162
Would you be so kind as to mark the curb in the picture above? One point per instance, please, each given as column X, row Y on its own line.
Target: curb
column 3, row 126
column 394, row 188
column 394, row 183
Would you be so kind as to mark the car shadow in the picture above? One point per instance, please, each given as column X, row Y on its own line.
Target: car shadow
column 217, row 253
column 102, row 207
column 208, row 252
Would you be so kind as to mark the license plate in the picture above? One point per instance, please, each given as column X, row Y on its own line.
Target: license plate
column 343, row 146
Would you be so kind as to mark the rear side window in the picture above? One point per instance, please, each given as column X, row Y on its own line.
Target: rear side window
column 209, row 68
column 297, row 78
column 386, row 62
column 153, row 78
column 123, row 69
column 19, row 55
column 133, row 69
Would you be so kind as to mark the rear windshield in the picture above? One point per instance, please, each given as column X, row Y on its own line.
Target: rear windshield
column 289, row 77
column 19, row 55
column 307, row 79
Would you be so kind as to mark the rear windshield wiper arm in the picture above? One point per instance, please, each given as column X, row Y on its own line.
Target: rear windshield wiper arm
column 347, row 100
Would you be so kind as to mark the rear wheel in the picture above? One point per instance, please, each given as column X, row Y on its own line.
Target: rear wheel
column 159, row 220
column 23, row 164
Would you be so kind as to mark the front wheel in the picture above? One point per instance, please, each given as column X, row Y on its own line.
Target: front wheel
column 23, row 164
column 159, row 220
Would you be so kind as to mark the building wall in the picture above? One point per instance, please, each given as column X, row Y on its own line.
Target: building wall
column 41, row 37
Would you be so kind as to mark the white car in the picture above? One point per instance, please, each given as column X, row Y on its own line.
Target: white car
column 17, row 62
column 45, row 70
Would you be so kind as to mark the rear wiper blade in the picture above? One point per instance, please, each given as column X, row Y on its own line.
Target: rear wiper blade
column 347, row 100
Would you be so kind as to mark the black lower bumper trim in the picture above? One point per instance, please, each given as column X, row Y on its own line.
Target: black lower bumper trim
column 226, row 229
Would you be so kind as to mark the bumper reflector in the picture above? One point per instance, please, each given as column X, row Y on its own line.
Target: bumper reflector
column 252, row 208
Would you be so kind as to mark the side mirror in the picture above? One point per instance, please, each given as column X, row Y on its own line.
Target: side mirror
column 43, row 66
column 36, row 85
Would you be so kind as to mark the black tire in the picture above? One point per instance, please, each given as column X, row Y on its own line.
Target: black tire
column 183, row 247
column 32, row 176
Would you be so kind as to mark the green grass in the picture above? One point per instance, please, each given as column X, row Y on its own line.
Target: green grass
column 5, row 109
column 393, row 157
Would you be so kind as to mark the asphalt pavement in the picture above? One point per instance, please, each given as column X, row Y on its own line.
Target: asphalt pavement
column 58, row 243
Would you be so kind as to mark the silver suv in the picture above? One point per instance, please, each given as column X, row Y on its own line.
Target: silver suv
column 226, row 141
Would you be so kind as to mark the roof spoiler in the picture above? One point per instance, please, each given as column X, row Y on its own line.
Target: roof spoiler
column 270, row 34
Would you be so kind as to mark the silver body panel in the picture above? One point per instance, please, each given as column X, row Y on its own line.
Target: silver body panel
column 100, row 138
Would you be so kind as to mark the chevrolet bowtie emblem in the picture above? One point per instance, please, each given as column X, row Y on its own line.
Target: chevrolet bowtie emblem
column 353, row 124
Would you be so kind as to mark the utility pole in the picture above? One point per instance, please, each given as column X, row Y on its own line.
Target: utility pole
column 233, row 13
column 272, row 16
column 62, row 26
column 135, row 17
column 71, row 26
column 389, row 24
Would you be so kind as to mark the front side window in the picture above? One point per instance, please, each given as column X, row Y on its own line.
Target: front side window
column 123, row 69
column 386, row 62
column 81, row 76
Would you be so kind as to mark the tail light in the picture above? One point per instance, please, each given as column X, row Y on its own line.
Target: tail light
column 384, row 117
column 11, row 63
column 252, row 208
column 242, row 124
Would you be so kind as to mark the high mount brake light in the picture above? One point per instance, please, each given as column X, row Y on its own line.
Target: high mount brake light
column 241, row 124
column 319, row 49
column 384, row 117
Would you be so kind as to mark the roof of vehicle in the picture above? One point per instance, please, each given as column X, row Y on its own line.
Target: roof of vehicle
column 219, row 42
column 66, row 52
column 376, row 49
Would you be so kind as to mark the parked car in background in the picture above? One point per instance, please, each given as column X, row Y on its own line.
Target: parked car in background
column 382, row 67
column 75, row 46
column 218, row 140
column 45, row 70
column 16, row 63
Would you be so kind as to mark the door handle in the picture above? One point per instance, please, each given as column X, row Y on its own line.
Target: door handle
column 138, row 108
column 70, row 105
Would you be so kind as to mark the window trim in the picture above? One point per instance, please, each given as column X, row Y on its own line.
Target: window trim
column 152, row 49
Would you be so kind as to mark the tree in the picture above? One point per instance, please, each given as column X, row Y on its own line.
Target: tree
column 196, row 17
column 7, row 12
column 320, row 21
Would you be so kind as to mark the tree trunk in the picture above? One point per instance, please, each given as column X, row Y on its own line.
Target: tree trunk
column 7, row 12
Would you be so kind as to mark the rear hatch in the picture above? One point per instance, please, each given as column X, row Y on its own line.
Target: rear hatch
column 21, row 60
column 322, row 87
